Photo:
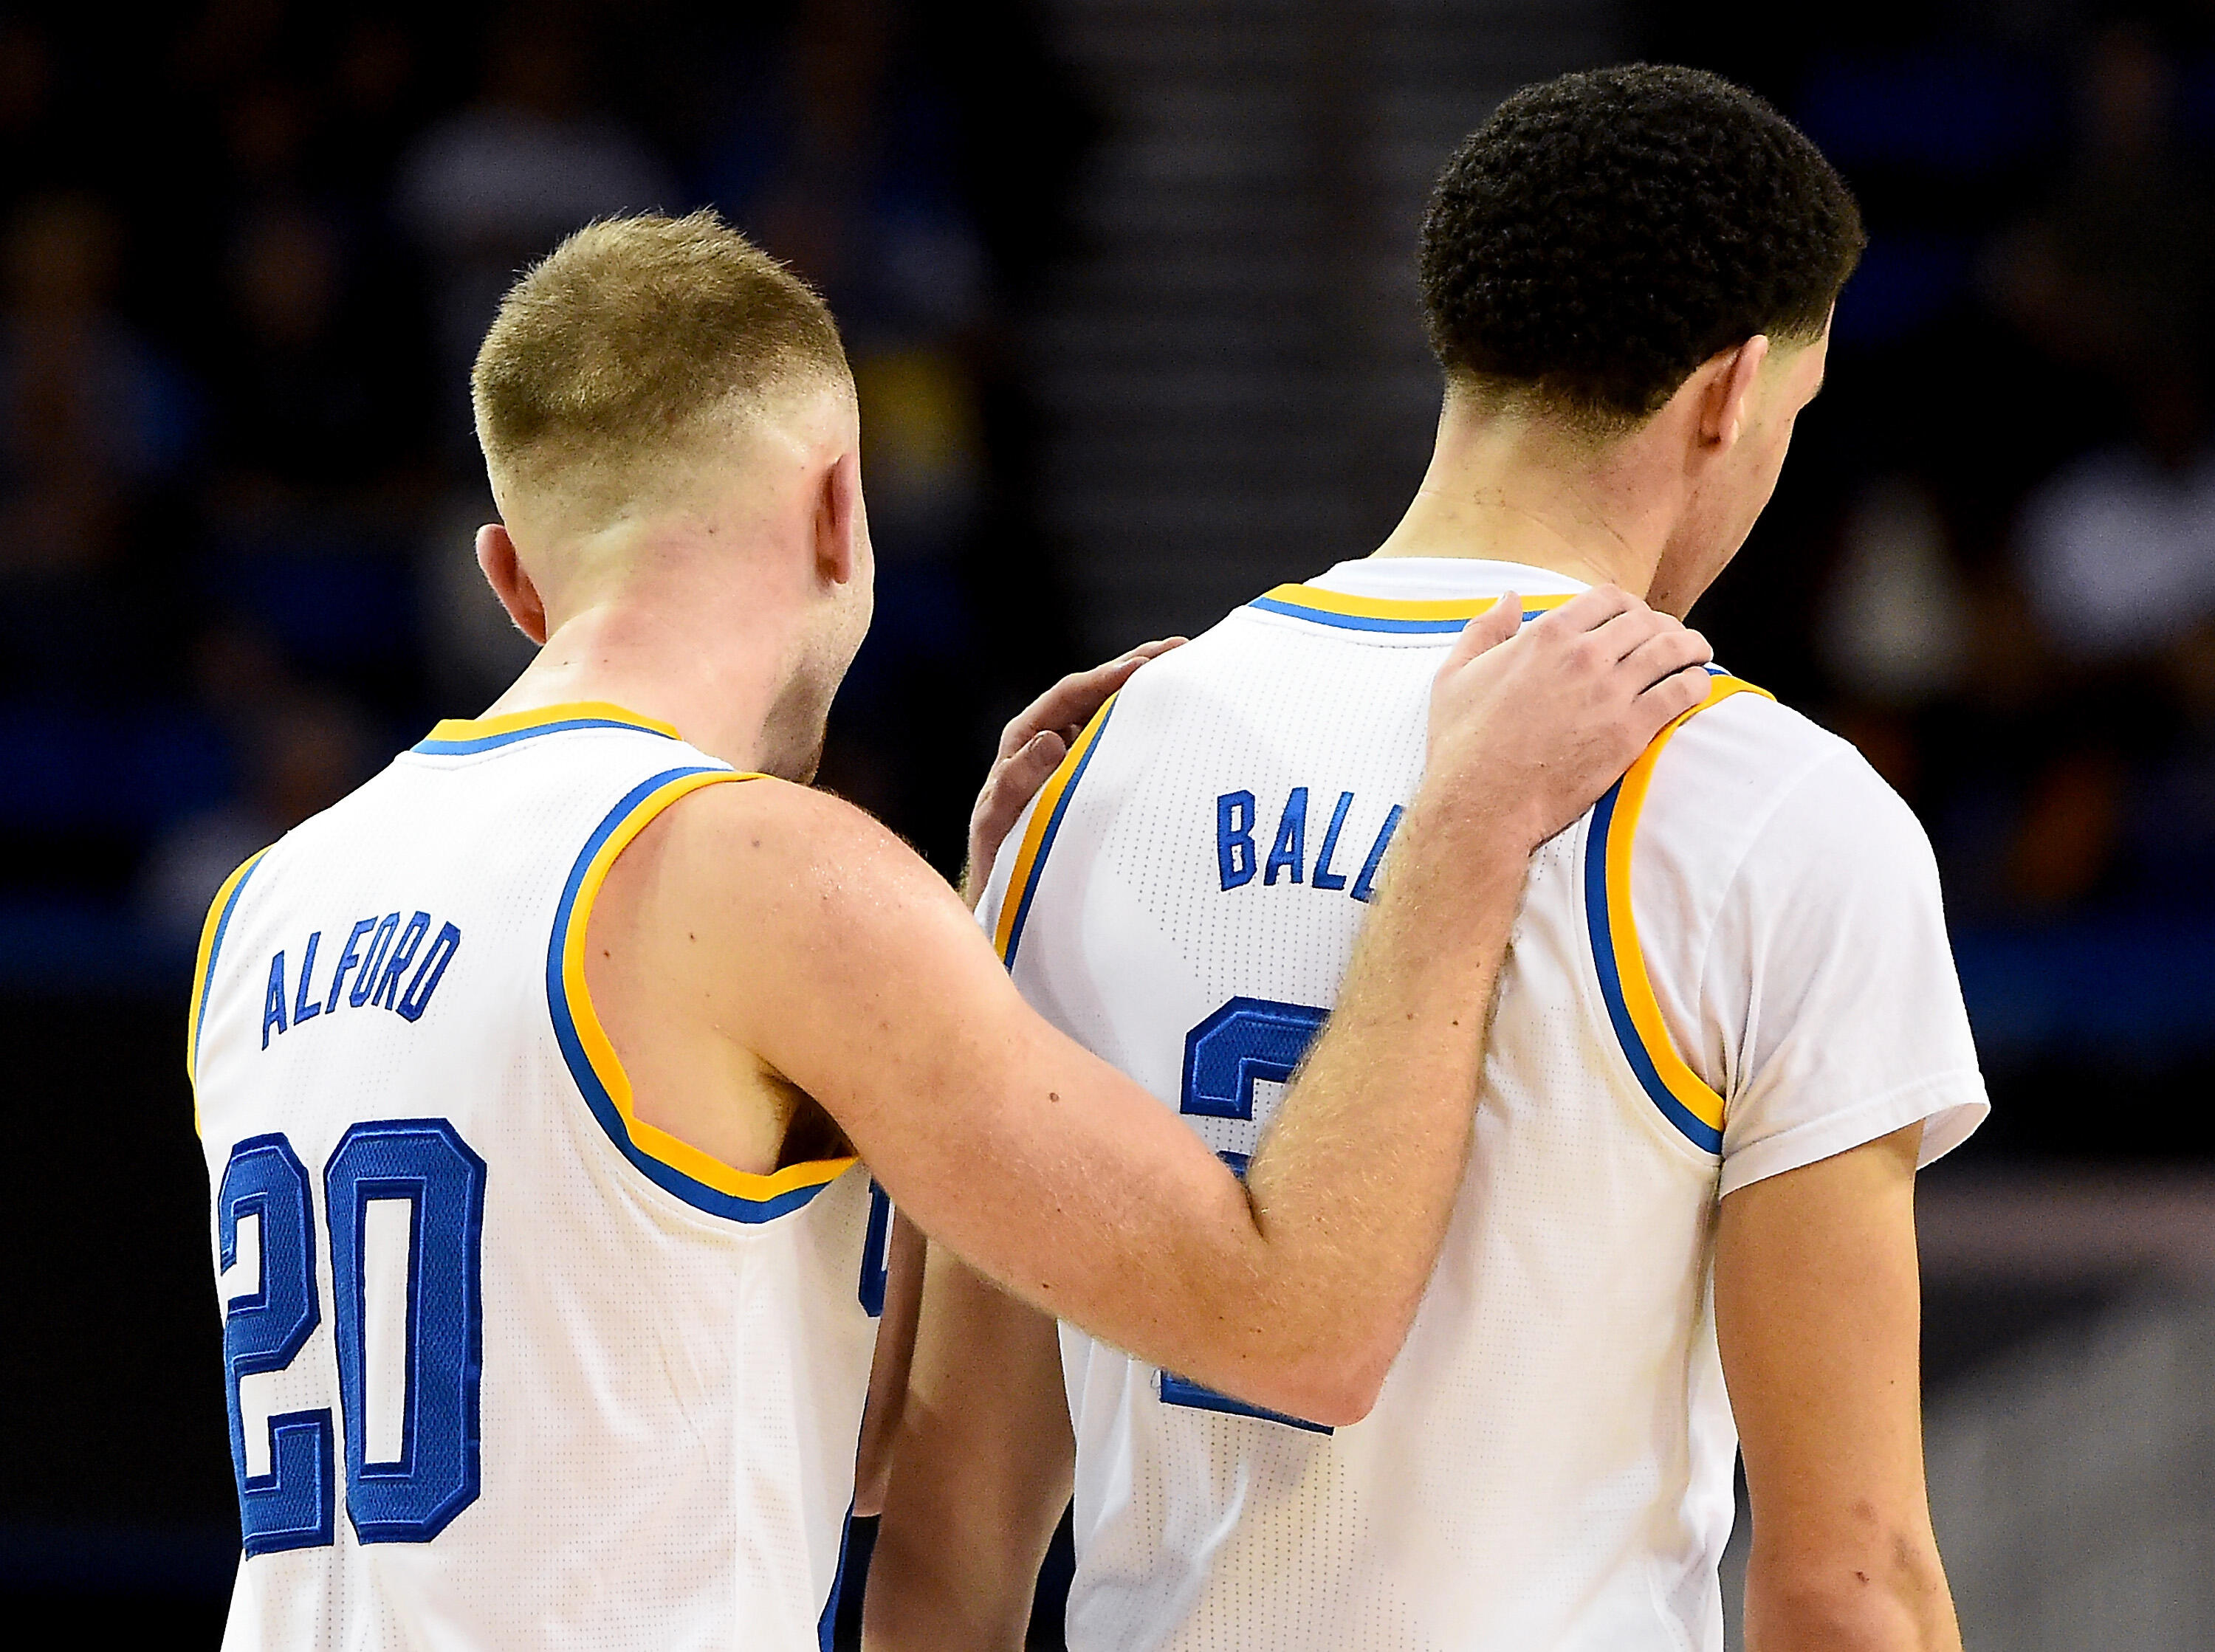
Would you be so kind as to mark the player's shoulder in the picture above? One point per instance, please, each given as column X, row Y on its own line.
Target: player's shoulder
column 1222, row 648
column 1747, row 733
column 760, row 824
column 775, row 874
column 1750, row 768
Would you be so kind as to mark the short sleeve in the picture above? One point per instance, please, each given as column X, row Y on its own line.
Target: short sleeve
column 1830, row 953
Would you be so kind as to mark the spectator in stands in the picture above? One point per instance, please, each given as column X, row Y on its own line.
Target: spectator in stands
column 91, row 422
column 2114, row 553
column 495, row 185
column 301, row 750
column 321, row 388
column 2118, row 548
column 2113, row 270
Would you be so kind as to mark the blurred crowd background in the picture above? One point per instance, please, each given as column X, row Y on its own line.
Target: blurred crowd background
column 1128, row 290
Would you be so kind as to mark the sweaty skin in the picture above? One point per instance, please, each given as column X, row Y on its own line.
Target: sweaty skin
column 762, row 942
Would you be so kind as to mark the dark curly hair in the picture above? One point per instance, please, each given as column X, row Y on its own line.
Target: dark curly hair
column 1604, row 233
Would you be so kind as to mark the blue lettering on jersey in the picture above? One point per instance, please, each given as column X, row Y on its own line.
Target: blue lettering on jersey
column 380, row 943
column 403, row 956
column 417, row 997
column 1365, row 885
column 349, row 959
column 1291, row 847
column 1237, row 860
column 304, row 1008
column 1234, row 838
column 380, row 974
column 272, row 1001
column 1324, row 877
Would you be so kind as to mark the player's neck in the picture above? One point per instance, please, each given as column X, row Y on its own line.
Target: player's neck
column 720, row 672
column 1512, row 490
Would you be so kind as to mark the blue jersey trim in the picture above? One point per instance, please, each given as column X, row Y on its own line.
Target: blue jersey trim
column 696, row 1193
column 1177, row 1390
column 1695, row 1129
column 1036, row 870
column 826, row 1626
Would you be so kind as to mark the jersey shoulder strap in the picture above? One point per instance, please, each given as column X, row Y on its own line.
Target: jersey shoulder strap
column 1039, row 832
column 1683, row 1098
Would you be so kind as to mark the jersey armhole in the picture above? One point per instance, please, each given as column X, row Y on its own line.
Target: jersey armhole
column 1685, row 1099
column 1038, row 837
column 698, row 1179
column 211, row 934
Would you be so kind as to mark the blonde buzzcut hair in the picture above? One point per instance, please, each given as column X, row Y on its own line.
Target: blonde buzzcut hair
column 635, row 341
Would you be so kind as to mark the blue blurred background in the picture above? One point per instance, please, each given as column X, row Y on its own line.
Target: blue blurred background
column 1129, row 292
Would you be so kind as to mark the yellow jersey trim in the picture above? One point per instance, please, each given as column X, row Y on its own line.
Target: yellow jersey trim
column 1697, row 1110
column 696, row 1176
column 1038, row 837
column 1403, row 615
column 460, row 735
column 211, row 931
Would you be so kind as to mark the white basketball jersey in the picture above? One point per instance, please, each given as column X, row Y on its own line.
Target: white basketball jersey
column 1550, row 1464
column 506, row 1366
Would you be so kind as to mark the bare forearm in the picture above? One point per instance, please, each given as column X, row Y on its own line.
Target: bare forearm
column 940, row 1590
column 1390, row 1084
column 984, row 1469
column 1294, row 1291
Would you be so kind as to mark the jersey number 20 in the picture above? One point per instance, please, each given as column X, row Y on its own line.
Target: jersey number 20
column 387, row 1181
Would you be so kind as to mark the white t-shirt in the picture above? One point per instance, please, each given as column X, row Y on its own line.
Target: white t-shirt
column 1736, row 965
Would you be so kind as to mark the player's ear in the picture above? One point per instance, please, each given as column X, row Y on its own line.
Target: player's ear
column 1726, row 398
column 509, row 581
column 839, row 520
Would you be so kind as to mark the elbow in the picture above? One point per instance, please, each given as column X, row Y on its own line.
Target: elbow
column 1352, row 1393
column 1344, row 1409
column 1334, row 1388
column 1862, row 1607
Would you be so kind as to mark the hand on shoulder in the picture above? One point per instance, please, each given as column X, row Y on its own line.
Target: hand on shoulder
column 1530, row 724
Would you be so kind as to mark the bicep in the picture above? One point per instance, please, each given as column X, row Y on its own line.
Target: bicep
column 868, row 984
column 1817, row 1311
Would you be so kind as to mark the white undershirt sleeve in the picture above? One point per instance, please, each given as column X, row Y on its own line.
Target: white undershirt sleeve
column 1829, row 963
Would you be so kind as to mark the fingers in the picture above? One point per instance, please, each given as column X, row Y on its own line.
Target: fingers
column 1012, row 784
column 1068, row 705
column 1590, row 609
column 1675, row 695
column 1031, row 767
column 1483, row 634
column 1623, row 635
column 1667, row 650
column 1014, row 780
